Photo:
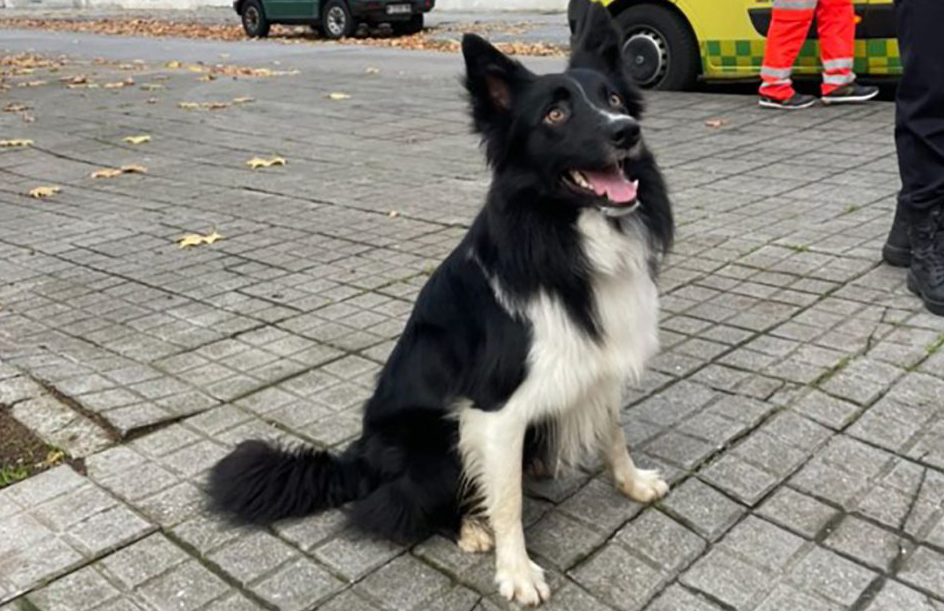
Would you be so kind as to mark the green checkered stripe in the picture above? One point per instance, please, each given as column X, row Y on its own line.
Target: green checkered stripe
column 744, row 57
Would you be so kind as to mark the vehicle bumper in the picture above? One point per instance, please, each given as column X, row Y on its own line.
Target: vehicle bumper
column 376, row 10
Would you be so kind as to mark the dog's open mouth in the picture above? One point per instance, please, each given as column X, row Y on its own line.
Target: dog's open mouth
column 610, row 186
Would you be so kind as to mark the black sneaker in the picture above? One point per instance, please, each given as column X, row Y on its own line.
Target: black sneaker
column 897, row 249
column 851, row 93
column 926, row 276
column 794, row 102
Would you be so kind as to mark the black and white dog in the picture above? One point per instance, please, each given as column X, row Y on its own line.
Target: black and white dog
column 521, row 344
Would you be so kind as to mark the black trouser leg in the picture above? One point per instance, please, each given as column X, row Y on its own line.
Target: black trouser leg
column 919, row 109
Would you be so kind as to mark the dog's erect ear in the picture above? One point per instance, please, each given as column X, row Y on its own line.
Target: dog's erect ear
column 595, row 39
column 492, row 78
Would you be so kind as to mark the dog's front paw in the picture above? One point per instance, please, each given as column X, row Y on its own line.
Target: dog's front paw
column 525, row 585
column 645, row 486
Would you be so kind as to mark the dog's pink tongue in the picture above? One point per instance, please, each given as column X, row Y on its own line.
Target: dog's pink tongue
column 613, row 184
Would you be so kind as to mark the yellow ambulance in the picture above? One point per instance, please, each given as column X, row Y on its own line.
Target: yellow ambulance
column 672, row 43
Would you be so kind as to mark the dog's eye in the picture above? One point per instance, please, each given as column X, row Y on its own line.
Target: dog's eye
column 616, row 101
column 555, row 116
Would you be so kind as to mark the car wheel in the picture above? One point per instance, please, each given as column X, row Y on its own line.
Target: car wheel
column 254, row 19
column 336, row 19
column 659, row 47
column 408, row 28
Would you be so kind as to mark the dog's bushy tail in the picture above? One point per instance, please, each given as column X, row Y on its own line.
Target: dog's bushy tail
column 259, row 483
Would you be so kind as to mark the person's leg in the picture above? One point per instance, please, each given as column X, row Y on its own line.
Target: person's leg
column 789, row 27
column 835, row 22
column 919, row 139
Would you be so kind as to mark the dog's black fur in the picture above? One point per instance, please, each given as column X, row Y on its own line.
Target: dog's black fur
column 403, row 476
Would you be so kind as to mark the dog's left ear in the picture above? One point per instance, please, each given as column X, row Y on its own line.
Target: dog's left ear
column 595, row 39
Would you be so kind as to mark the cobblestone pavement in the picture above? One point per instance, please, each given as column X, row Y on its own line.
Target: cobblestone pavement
column 797, row 405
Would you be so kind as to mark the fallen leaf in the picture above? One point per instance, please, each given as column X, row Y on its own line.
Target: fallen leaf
column 195, row 239
column 243, row 100
column 128, row 82
column 39, row 192
column 372, row 71
column 54, row 457
column 203, row 105
column 16, row 142
column 125, row 169
column 393, row 214
column 206, row 78
column 15, row 107
column 173, row 64
column 137, row 139
column 195, row 68
column 715, row 123
column 151, row 86
column 337, row 95
column 106, row 173
column 78, row 79
column 32, row 84
column 152, row 100
column 258, row 162
column 28, row 118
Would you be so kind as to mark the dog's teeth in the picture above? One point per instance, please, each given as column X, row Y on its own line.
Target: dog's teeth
column 636, row 184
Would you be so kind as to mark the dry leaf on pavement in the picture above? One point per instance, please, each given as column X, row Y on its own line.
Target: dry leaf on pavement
column 151, row 86
column 195, row 239
column 243, row 100
column 716, row 123
column 15, row 107
column 203, row 105
column 125, row 169
column 17, row 142
column 32, row 84
column 372, row 71
column 137, row 139
column 258, row 162
column 39, row 192
column 173, row 64
column 337, row 95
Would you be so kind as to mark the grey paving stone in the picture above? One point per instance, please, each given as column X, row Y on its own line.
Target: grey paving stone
column 831, row 576
column 349, row 600
column 703, row 508
column 865, row 542
column 252, row 556
column 798, row 512
column 619, row 578
column 562, row 539
column 677, row 598
column 925, row 569
column 729, row 579
column 787, row 598
column 599, row 506
column 895, row 596
column 142, row 561
column 83, row 589
column 185, row 587
column 764, row 544
column 660, row 539
column 353, row 555
column 299, row 585
column 405, row 583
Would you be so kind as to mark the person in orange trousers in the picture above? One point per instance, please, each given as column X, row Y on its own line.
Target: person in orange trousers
column 835, row 23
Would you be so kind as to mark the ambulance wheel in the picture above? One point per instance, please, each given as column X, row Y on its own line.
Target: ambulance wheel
column 659, row 47
column 254, row 20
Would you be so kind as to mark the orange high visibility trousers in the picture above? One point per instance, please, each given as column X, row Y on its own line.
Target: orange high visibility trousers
column 835, row 23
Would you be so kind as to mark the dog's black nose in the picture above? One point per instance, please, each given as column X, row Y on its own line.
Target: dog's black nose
column 625, row 133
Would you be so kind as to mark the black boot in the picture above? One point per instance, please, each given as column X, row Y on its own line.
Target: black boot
column 897, row 249
column 926, row 277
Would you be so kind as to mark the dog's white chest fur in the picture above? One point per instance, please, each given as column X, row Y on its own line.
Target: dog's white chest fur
column 565, row 363
column 574, row 381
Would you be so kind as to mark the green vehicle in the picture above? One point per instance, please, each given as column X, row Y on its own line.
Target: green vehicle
column 334, row 18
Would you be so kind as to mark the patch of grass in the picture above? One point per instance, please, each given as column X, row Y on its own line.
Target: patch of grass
column 11, row 475
column 22, row 453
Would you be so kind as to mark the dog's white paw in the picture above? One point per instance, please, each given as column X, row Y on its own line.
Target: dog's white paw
column 525, row 586
column 475, row 537
column 645, row 486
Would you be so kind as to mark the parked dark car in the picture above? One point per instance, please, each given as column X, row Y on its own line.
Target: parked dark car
column 333, row 18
